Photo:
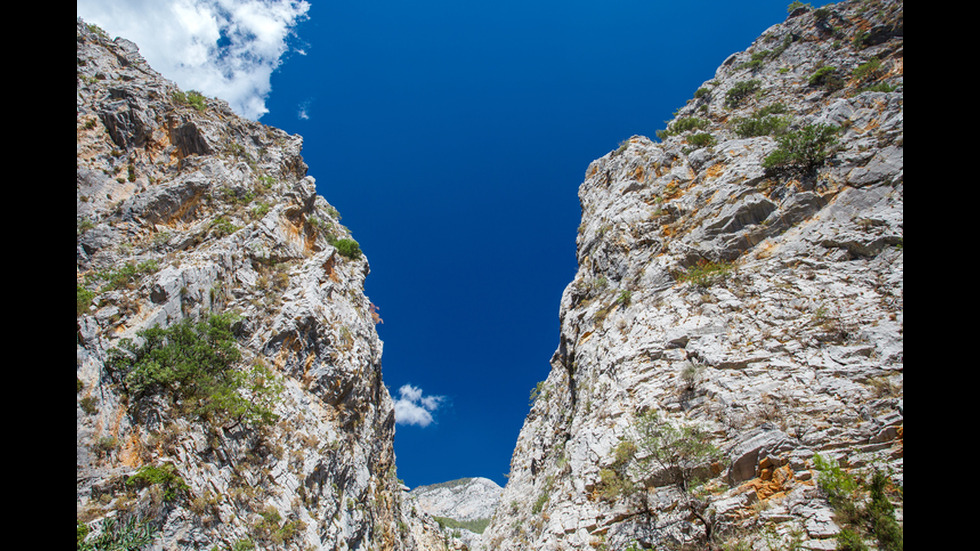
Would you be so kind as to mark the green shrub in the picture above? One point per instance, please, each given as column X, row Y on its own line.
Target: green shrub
column 804, row 149
column 164, row 476
column 867, row 70
column 125, row 276
column 685, row 124
column 348, row 248
column 881, row 515
column 826, row 77
column 682, row 449
column 849, row 540
column 767, row 121
column 195, row 364
column 838, row 485
column 701, row 139
column 878, row 87
column 614, row 480
column 535, row 392
column 540, row 502
column 756, row 61
column 193, row 98
column 222, row 227
column 475, row 525
column 875, row 518
column 133, row 535
column 741, row 90
column 83, row 299
column 705, row 273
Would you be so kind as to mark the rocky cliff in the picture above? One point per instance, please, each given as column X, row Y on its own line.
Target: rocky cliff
column 462, row 507
column 229, row 391
column 730, row 366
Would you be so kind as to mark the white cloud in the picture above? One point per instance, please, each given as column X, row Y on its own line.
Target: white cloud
column 303, row 112
column 413, row 408
column 222, row 48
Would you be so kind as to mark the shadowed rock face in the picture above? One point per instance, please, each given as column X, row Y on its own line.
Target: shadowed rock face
column 186, row 211
column 743, row 275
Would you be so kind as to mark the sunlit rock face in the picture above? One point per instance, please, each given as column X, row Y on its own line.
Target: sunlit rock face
column 186, row 211
column 743, row 276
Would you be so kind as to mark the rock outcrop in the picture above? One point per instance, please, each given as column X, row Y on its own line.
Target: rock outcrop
column 730, row 364
column 229, row 385
column 462, row 507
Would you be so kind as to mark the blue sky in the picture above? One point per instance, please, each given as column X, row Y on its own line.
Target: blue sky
column 452, row 137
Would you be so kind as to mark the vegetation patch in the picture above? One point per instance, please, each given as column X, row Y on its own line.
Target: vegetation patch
column 192, row 98
column 475, row 525
column 196, row 365
column 348, row 248
column 862, row 507
column 803, row 149
column 706, row 273
column 164, row 477
column 683, row 124
column 134, row 533
column 740, row 91
column 768, row 121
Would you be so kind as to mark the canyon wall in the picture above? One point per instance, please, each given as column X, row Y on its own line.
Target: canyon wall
column 731, row 347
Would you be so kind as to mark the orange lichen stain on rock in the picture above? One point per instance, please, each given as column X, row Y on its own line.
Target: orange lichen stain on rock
column 899, row 442
column 131, row 451
column 290, row 228
column 714, row 170
column 772, row 483
column 638, row 173
column 328, row 269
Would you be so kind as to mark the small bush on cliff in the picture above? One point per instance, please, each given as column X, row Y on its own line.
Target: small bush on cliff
column 614, row 481
column 740, row 91
column 164, row 477
column 125, row 276
column 193, row 98
column 681, row 449
column 705, row 273
column 804, row 149
column 348, row 248
column 133, row 534
column 826, row 77
column 196, row 365
column 875, row 518
column 768, row 121
column 83, row 299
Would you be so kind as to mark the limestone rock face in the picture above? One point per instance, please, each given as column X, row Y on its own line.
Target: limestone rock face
column 186, row 211
column 743, row 276
column 463, row 506
column 466, row 499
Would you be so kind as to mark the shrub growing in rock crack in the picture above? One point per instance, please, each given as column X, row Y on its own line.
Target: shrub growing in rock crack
column 681, row 450
column 196, row 365
column 803, row 149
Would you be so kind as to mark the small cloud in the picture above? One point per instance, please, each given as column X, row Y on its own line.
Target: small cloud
column 304, row 110
column 414, row 408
